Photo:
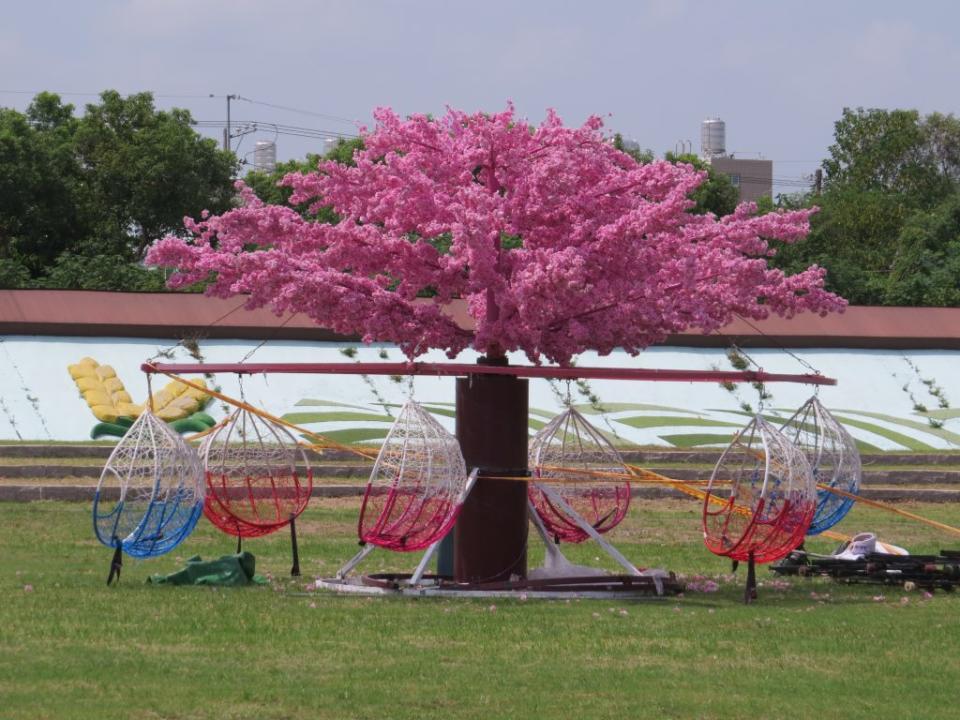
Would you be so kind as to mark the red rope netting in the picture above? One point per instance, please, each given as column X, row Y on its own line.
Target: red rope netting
column 569, row 441
column 416, row 488
column 258, row 478
column 772, row 496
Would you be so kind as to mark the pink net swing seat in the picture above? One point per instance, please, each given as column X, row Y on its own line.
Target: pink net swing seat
column 417, row 485
column 771, row 501
column 569, row 441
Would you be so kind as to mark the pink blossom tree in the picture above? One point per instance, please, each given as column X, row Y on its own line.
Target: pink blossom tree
column 558, row 242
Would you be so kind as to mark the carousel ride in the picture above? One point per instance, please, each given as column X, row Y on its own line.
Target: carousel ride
column 251, row 477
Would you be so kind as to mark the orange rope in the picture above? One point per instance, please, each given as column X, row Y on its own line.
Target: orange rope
column 890, row 508
column 323, row 441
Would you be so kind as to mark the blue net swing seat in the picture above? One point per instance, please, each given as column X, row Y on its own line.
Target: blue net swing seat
column 570, row 441
column 834, row 459
column 761, row 496
column 150, row 493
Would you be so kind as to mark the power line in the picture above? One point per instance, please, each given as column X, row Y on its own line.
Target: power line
column 337, row 118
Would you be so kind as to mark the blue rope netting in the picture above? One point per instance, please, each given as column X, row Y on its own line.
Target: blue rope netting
column 150, row 494
column 834, row 458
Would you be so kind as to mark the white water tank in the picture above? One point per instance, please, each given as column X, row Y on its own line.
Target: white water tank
column 713, row 138
column 265, row 156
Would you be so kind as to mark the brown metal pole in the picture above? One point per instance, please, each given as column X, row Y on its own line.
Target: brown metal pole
column 490, row 537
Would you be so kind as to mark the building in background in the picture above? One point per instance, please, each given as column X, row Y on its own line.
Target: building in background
column 265, row 156
column 752, row 178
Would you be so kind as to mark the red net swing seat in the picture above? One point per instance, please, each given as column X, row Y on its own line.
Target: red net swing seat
column 258, row 477
column 417, row 485
column 569, row 441
column 772, row 496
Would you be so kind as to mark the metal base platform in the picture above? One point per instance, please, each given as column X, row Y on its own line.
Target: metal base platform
column 622, row 587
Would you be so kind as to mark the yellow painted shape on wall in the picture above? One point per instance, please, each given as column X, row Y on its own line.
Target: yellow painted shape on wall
column 108, row 399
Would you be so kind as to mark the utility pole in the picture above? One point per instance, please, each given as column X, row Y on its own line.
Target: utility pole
column 817, row 181
column 226, row 130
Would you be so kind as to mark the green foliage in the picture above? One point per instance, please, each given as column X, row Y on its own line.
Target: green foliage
column 926, row 266
column 151, row 169
column 633, row 149
column 13, row 274
column 716, row 194
column 895, row 151
column 268, row 188
column 100, row 188
column 888, row 229
column 101, row 272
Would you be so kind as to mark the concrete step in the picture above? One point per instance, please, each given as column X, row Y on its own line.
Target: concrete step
column 638, row 456
column 85, row 493
column 361, row 470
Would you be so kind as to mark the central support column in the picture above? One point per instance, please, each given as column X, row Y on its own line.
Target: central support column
column 490, row 537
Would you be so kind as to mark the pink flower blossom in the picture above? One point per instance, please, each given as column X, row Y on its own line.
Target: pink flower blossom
column 28, row 588
column 558, row 242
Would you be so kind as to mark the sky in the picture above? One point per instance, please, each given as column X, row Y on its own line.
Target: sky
column 779, row 74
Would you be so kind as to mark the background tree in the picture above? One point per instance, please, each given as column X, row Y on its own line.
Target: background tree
column 39, row 181
column 269, row 187
column 716, row 193
column 80, row 198
column 885, row 222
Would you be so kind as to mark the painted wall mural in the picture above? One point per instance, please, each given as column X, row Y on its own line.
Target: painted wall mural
column 887, row 399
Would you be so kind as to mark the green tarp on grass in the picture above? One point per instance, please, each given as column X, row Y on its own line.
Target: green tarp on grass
column 229, row 570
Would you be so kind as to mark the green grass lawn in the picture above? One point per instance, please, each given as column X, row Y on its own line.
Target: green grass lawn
column 72, row 648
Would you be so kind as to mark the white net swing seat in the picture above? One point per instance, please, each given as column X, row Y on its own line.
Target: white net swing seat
column 569, row 441
column 258, row 477
column 150, row 493
column 417, row 486
column 771, row 496
column 834, row 459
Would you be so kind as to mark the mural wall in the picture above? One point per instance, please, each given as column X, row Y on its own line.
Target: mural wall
column 888, row 399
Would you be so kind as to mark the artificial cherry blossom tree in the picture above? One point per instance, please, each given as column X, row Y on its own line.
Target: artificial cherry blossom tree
column 559, row 243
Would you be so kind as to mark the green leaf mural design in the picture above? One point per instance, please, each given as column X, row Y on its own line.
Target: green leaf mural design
column 691, row 440
column 353, row 435
column 306, row 402
column 923, row 427
column 621, row 407
column 319, row 417
column 649, row 421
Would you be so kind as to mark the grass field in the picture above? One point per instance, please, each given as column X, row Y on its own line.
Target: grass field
column 72, row 648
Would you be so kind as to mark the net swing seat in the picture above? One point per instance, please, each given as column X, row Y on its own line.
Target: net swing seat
column 770, row 503
column 416, row 489
column 570, row 441
column 834, row 459
column 150, row 493
column 258, row 479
